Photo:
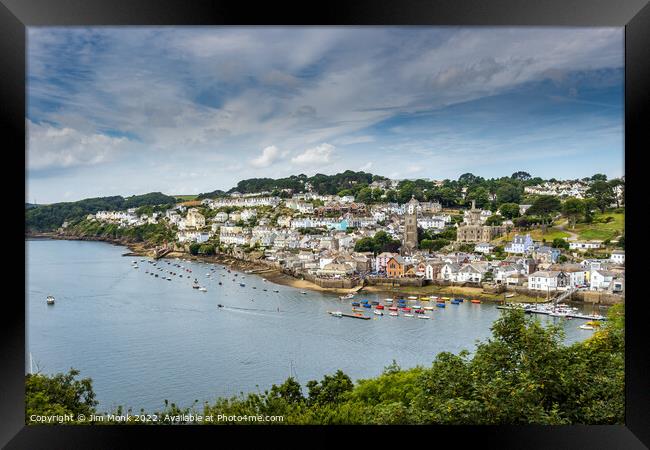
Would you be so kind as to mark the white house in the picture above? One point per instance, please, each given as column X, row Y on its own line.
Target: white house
column 548, row 281
column 618, row 257
column 520, row 244
column 192, row 236
column 471, row 273
column 583, row 246
column 483, row 247
column 600, row 280
column 449, row 272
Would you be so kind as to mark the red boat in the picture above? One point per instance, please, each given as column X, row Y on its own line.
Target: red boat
column 393, row 308
column 476, row 301
column 380, row 307
column 419, row 311
column 406, row 309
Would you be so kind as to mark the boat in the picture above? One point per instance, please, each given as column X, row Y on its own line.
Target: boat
column 195, row 285
column 202, row 289
column 428, row 308
column 455, row 302
column 393, row 313
column 303, row 292
column 433, row 297
column 408, row 315
column 509, row 295
column 220, row 283
column 336, row 313
column 423, row 317
column 380, row 307
column 346, row 297
column 276, row 290
column 475, row 300
column 411, row 297
column 379, row 313
column 242, row 284
column 357, row 310
column 406, row 309
column 393, row 308
column 586, row 327
column 417, row 306
column 50, row 300
column 356, row 304
column 445, row 298
column 366, row 305
column 374, row 302
column 440, row 305
column 419, row 311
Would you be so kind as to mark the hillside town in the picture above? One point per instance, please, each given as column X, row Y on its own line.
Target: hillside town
column 338, row 241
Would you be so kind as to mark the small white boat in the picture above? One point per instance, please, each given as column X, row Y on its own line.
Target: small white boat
column 586, row 327
column 411, row 297
column 347, row 296
column 422, row 316
column 428, row 308
column 378, row 312
column 408, row 315
column 50, row 300
column 202, row 289
column 336, row 313
column 510, row 295
column 393, row 313
column 302, row 292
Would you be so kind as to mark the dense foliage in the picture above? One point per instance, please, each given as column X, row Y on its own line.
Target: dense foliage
column 155, row 234
column 50, row 217
column 523, row 374
column 380, row 242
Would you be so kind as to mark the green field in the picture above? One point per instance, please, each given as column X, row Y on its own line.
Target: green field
column 601, row 231
column 186, row 198
column 536, row 234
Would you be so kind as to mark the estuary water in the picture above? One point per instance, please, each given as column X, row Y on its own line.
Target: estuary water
column 143, row 339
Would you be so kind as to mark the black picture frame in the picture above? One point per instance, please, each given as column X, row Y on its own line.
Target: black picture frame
column 634, row 15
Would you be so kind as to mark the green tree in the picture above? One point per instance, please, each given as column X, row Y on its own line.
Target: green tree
column 602, row 193
column 194, row 248
column 573, row 209
column 58, row 395
column 509, row 210
column 494, row 219
column 508, row 193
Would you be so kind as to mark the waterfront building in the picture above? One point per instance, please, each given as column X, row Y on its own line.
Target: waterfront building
column 548, row 281
column 618, row 257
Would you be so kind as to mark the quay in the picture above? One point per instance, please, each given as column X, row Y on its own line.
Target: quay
column 354, row 316
column 548, row 312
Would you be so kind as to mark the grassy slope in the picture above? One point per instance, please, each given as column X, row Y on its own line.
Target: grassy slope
column 601, row 231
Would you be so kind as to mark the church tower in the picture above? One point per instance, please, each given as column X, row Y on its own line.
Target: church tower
column 410, row 241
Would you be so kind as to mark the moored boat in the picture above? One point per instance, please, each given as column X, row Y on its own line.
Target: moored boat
column 50, row 300
column 393, row 313
column 377, row 312
column 475, row 300
column 380, row 307
column 423, row 317
column 440, row 305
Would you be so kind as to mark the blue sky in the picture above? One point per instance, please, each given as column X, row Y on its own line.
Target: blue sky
column 129, row 110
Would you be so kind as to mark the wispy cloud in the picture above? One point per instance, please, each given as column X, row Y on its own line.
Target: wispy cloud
column 327, row 96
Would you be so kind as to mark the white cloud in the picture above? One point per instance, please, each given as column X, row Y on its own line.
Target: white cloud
column 320, row 154
column 269, row 155
column 50, row 147
column 365, row 167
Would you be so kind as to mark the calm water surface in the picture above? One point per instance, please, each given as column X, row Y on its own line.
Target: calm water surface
column 144, row 339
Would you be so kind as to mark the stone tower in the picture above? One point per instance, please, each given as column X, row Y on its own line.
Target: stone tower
column 410, row 241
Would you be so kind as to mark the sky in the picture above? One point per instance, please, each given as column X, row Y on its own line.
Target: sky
column 184, row 110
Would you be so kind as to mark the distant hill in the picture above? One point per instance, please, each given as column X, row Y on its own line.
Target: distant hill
column 50, row 217
column 321, row 184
